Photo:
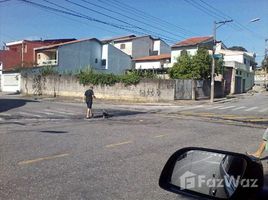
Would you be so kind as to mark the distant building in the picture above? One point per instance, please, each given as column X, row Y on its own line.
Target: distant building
column 78, row 54
column 139, row 46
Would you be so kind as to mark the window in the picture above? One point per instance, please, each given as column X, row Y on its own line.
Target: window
column 154, row 53
column 96, row 60
column 25, row 48
column 122, row 46
column 103, row 62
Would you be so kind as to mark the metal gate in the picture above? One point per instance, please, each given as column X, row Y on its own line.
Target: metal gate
column 183, row 89
column 238, row 84
column 10, row 82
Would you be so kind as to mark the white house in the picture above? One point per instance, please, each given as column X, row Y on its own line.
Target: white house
column 239, row 70
column 239, row 66
column 190, row 45
column 74, row 55
column 139, row 46
column 157, row 62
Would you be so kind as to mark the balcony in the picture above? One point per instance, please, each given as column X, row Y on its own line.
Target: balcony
column 47, row 62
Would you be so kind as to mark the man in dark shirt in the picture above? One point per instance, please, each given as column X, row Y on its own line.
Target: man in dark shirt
column 89, row 95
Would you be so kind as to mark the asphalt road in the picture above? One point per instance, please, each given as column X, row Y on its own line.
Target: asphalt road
column 49, row 151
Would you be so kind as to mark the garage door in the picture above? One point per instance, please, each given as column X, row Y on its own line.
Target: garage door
column 10, row 82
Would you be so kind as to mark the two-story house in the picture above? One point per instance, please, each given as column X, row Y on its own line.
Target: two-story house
column 239, row 66
column 239, row 70
column 78, row 54
column 16, row 55
column 139, row 46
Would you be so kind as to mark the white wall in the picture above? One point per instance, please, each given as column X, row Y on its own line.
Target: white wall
column 117, row 61
column 175, row 53
column 128, row 47
column 151, row 65
column 148, row 65
column 157, row 46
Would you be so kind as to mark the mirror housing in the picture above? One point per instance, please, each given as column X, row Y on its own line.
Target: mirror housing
column 248, row 172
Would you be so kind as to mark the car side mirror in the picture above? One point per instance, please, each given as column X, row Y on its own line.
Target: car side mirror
column 211, row 174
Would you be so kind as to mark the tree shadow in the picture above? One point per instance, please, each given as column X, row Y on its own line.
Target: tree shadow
column 8, row 104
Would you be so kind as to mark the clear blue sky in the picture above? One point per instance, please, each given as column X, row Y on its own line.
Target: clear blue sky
column 19, row 20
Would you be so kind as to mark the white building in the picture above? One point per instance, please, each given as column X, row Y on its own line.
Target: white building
column 158, row 62
column 239, row 70
column 239, row 66
column 139, row 46
column 190, row 45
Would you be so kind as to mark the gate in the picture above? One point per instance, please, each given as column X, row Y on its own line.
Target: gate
column 10, row 82
column 183, row 89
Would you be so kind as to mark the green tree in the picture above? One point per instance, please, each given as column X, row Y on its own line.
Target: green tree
column 195, row 67
column 182, row 68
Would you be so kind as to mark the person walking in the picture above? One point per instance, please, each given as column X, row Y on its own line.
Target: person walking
column 89, row 95
column 262, row 147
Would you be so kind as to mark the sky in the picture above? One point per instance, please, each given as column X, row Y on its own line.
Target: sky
column 171, row 20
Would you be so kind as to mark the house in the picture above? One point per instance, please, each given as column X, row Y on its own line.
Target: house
column 75, row 55
column 139, row 46
column 239, row 66
column 190, row 45
column 16, row 55
column 21, row 53
column 239, row 70
column 157, row 62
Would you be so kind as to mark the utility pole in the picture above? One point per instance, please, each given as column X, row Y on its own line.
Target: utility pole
column 216, row 25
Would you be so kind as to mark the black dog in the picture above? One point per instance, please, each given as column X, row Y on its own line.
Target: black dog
column 105, row 114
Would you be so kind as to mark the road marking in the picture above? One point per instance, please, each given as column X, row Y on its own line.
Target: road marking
column 25, row 162
column 250, row 109
column 226, row 107
column 263, row 110
column 239, row 108
column 59, row 112
column 29, row 114
column 193, row 107
column 159, row 136
column 118, row 144
column 214, row 107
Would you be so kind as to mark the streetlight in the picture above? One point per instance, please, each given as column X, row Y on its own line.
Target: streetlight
column 215, row 27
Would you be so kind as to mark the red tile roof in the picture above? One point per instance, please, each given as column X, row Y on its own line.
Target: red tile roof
column 193, row 41
column 153, row 58
column 64, row 43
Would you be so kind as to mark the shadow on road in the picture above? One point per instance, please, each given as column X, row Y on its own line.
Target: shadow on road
column 7, row 104
column 54, row 132
column 116, row 113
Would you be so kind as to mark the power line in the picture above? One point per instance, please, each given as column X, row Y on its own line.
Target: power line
column 142, row 22
column 134, row 26
column 79, row 16
column 238, row 24
column 81, row 22
column 147, row 16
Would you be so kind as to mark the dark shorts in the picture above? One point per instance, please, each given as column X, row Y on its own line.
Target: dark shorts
column 89, row 104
